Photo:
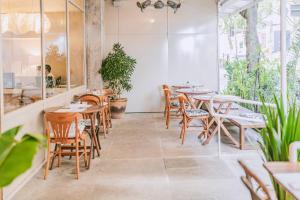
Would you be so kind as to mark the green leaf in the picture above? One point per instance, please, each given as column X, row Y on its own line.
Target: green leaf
column 18, row 160
column 7, row 140
column 16, row 156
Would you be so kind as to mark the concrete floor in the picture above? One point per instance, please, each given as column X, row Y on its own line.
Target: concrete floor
column 143, row 160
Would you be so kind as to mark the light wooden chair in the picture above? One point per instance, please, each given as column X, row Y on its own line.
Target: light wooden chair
column 66, row 132
column 109, row 94
column 97, row 100
column 257, row 188
column 171, row 104
column 190, row 114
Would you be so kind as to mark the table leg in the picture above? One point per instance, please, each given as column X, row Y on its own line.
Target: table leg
column 94, row 136
column 242, row 138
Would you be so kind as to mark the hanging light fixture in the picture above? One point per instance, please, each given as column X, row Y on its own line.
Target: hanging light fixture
column 159, row 4
column 22, row 23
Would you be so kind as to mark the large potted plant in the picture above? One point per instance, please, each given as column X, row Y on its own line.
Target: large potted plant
column 116, row 70
column 282, row 129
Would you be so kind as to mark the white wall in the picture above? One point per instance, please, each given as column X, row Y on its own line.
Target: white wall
column 169, row 48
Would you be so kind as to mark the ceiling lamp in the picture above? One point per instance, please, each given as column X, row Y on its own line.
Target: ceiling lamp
column 159, row 4
column 22, row 23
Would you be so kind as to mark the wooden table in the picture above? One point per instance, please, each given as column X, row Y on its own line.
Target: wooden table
column 88, row 111
column 222, row 105
column 286, row 174
column 190, row 92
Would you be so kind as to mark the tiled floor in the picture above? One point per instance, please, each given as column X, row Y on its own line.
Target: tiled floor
column 142, row 160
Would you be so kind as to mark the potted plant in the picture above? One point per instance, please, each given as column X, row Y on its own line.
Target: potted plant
column 282, row 129
column 116, row 70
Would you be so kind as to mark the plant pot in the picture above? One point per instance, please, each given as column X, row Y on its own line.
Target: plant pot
column 118, row 107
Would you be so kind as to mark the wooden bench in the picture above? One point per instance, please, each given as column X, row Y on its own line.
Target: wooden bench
column 244, row 124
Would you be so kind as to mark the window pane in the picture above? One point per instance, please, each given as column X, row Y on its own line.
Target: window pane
column 293, row 65
column 55, row 46
column 76, row 46
column 250, row 51
column 21, row 53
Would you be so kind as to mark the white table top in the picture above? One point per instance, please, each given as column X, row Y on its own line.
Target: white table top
column 287, row 175
column 217, row 98
column 194, row 91
column 290, row 181
column 73, row 108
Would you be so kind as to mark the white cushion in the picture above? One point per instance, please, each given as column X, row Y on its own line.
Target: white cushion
column 196, row 112
column 72, row 132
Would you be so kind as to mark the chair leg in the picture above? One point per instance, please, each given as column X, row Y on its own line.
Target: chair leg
column 183, row 133
column 183, row 130
column 104, row 123
column 59, row 156
column 47, row 162
column 53, row 157
column 167, row 118
column 77, row 161
column 85, row 154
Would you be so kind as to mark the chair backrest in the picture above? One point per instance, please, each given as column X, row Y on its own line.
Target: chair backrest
column 183, row 101
column 167, row 94
column 107, row 91
column 59, row 125
column 166, row 87
column 90, row 99
column 256, row 187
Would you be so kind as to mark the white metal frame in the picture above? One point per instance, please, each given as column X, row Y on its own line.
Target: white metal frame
column 283, row 51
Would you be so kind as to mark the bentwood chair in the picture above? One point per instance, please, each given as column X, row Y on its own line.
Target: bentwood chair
column 96, row 100
column 171, row 104
column 257, row 188
column 190, row 114
column 66, row 132
column 109, row 94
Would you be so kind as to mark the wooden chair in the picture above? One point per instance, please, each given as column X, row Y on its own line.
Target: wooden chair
column 257, row 188
column 66, row 132
column 190, row 114
column 96, row 100
column 171, row 104
column 109, row 94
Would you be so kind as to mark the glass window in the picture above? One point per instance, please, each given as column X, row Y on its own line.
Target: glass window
column 76, row 45
column 21, row 53
column 250, row 51
column 55, row 46
column 293, row 44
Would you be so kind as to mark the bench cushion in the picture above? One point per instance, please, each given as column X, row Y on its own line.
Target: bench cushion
column 196, row 113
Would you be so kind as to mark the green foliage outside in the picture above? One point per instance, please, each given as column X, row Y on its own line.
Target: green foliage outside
column 281, row 130
column 117, row 69
column 262, row 81
column 16, row 156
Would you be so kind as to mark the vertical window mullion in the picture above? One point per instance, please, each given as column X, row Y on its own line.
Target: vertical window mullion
column 68, row 46
column 43, row 50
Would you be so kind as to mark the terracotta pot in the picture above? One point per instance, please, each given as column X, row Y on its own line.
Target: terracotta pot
column 118, row 107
